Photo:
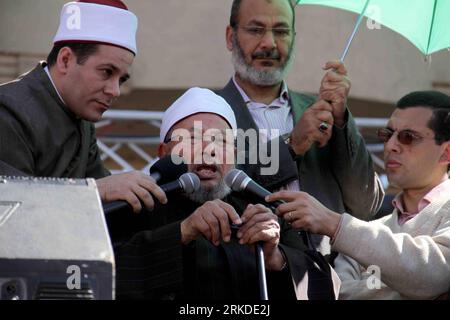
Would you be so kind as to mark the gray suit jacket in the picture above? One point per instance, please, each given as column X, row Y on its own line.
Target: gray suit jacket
column 340, row 175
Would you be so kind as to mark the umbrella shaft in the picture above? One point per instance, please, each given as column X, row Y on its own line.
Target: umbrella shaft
column 355, row 30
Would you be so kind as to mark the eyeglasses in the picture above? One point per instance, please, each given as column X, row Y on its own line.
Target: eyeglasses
column 197, row 140
column 406, row 137
column 259, row 32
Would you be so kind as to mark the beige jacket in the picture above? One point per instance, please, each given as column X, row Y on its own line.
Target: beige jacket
column 413, row 258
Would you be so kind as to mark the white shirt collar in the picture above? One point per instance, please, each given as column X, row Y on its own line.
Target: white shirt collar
column 51, row 80
column 284, row 95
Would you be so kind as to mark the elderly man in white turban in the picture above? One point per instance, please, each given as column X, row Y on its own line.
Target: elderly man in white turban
column 187, row 248
column 47, row 115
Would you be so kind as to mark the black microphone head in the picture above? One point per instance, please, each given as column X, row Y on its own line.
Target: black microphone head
column 190, row 182
column 170, row 167
column 237, row 180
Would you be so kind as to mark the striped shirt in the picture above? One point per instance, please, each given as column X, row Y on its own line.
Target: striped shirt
column 276, row 115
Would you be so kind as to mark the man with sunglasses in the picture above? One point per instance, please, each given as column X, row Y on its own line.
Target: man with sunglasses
column 317, row 137
column 405, row 255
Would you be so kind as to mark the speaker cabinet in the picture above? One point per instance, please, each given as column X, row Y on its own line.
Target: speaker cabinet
column 54, row 242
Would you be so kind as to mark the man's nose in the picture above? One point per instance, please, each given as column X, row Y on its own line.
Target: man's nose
column 268, row 40
column 208, row 148
column 112, row 89
column 392, row 145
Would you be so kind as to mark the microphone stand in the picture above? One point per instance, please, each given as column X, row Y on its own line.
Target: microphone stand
column 260, row 264
column 261, row 268
column 239, row 181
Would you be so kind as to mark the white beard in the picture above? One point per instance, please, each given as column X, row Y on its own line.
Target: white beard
column 203, row 195
column 260, row 78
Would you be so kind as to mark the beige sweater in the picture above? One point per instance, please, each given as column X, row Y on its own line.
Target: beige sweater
column 413, row 258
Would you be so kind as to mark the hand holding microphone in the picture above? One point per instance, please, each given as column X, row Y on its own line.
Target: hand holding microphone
column 137, row 189
column 305, row 212
column 187, row 183
column 134, row 188
column 260, row 228
column 211, row 220
column 239, row 181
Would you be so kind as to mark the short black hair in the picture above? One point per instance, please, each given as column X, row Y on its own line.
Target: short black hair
column 439, row 103
column 81, row 50
column 236, row 6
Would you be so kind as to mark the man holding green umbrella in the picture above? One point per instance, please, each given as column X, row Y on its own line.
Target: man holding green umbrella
column 321, row 151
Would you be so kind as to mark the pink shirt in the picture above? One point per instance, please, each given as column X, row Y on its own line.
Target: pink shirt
column 435, row 194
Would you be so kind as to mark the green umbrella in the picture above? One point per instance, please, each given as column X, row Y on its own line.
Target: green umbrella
column 426, row 23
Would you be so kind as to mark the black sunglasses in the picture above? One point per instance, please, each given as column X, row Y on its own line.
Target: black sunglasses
column 405, row 137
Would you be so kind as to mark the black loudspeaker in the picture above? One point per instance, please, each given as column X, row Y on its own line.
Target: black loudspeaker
column 54, row 242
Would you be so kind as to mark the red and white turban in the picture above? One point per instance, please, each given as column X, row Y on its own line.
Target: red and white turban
column 98, row 21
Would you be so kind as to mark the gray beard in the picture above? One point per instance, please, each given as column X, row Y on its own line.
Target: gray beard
column 203, row 195
column 260, row 78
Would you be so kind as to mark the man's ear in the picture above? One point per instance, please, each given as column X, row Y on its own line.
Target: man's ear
column 229, row 38
column 162, row 150
column 64, row 59
column 448, row 152
column 446, row 155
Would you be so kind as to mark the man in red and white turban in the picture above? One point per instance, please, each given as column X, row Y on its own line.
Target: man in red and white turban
column 47, row 115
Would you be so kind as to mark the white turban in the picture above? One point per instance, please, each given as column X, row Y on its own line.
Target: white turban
column 196, row 100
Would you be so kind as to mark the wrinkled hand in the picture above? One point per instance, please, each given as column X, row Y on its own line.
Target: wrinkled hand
column 304, row 212
column 260, row 224
column 134, row 187
column 306, row 131
column 334, row 88
column 212, row 220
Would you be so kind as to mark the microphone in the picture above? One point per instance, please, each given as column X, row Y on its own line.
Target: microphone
column 187, row 182
column 238, row 180
column 168, row 169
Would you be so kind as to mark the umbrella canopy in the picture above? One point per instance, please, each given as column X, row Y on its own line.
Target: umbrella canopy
column 425, row 23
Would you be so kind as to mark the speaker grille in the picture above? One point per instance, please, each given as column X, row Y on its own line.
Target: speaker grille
column 59, row 291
